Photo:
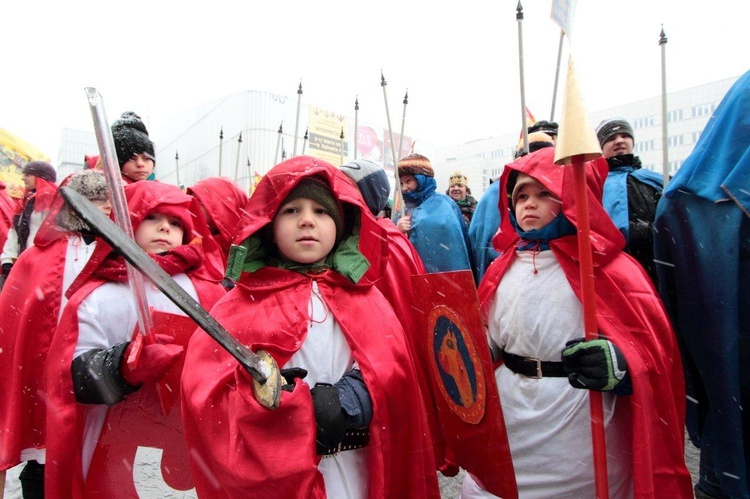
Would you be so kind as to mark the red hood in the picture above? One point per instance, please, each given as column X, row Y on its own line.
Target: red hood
column 282, row 178
column 225, row 202
column 606, row 240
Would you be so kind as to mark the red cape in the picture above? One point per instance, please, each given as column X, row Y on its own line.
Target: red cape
column 240, row 447
column 225, row 202
column 7, row 208
column 63, row 471
column 29, row 307
column 628, row 312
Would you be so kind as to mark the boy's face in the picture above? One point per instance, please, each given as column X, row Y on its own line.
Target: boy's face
column 620, row 143
column 408, row 183
column 535, row 206
column 159, row 233
column 139, row 167
column 303, row 231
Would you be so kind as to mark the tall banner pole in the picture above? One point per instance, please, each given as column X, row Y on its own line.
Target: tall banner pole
column 221, row 146
column 278, row 144
column 237, row 161
column 524, row 130
column 664, row 128
column 557, row 76
column 576, row 145
column 398, row 202
column 296, row 125
column 177, row 167
column 356, row 124
column 403, row 124
column 341, row 147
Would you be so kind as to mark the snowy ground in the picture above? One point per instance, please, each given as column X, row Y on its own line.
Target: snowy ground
column 449, row 487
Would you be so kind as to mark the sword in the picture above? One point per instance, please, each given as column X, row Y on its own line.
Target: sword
column 261, row 366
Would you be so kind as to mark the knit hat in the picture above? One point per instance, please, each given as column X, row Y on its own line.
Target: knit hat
column 316, row 188
column 41, row 169
column 458, row 178
column 372, row 182
column 415, row 163
column 521, row 180
column 131, row 138
column 93, row 186
column 609, row 128
column 548, row 127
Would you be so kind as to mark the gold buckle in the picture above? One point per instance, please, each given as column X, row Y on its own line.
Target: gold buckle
column 538, row 366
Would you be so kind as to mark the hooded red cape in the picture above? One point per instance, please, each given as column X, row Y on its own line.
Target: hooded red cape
column 225, row 203
column 628, row 312
column 7, row 208
column 240, row 448
column 63, row 471
column 29, row 306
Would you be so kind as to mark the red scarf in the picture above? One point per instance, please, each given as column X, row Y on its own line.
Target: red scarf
column 180, row 260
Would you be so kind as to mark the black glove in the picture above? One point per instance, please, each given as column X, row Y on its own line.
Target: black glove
column 227, row 284
column 289, row 375
column 330, row 418
column 97, row 378
column 594, row 365
column 5, row 273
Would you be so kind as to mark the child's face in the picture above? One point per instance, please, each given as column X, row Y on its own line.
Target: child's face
column 408, row 183
column 535, row 206
column 139, row 167
column 159, row 233
column 303, row 231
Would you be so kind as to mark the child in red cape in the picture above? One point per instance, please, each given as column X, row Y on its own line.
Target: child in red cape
column 355, row 425
column 30, row 308
column 530, row 297
column 103, row 406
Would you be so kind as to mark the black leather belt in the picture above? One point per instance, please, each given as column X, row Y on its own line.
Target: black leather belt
column 533, row 367
column 353, row 439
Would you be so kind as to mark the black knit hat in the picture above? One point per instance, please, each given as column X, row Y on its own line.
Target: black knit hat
column 548, row 127
column 131, row 138
column 316, row 188
column 41, row 169
column 609, row 128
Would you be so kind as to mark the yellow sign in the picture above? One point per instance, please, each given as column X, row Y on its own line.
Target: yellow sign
column 14, row 154
column 324, row 141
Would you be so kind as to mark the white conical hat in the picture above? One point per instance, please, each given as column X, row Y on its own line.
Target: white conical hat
column 576, row 137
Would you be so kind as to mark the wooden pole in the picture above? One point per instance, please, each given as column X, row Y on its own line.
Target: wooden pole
column 664, row 124
column 221, row 145
column 296, row 125
column 524, row 131
column 403, row 123
column 356, row 124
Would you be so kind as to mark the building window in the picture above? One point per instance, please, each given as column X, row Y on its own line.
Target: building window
column 702, row 110
column 675, row 140
column 675, row 115
column 696, row 136
column 644, row 145
column 645, row 122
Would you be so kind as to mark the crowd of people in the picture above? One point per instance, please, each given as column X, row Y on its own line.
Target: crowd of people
column 309, row 274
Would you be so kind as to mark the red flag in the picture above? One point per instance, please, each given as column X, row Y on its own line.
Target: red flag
column 460, row 376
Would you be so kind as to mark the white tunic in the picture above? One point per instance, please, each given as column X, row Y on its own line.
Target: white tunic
column 548, row 421
column 107, row 317
column 76, row 256
column 326, row 356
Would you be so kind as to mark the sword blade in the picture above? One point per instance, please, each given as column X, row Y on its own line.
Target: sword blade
column 139, row 259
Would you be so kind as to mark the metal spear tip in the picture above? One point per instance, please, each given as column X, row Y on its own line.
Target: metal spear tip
column 382, row 79
column 406, row 96
column 356, row 103
column 221, row 133
column 662, row 36
column 281, row 127
column 519, row 11
column 299, row 90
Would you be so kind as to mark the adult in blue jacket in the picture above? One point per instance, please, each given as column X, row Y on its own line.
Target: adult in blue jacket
column 432, row 221
column 702, row 248
column 630, row 192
